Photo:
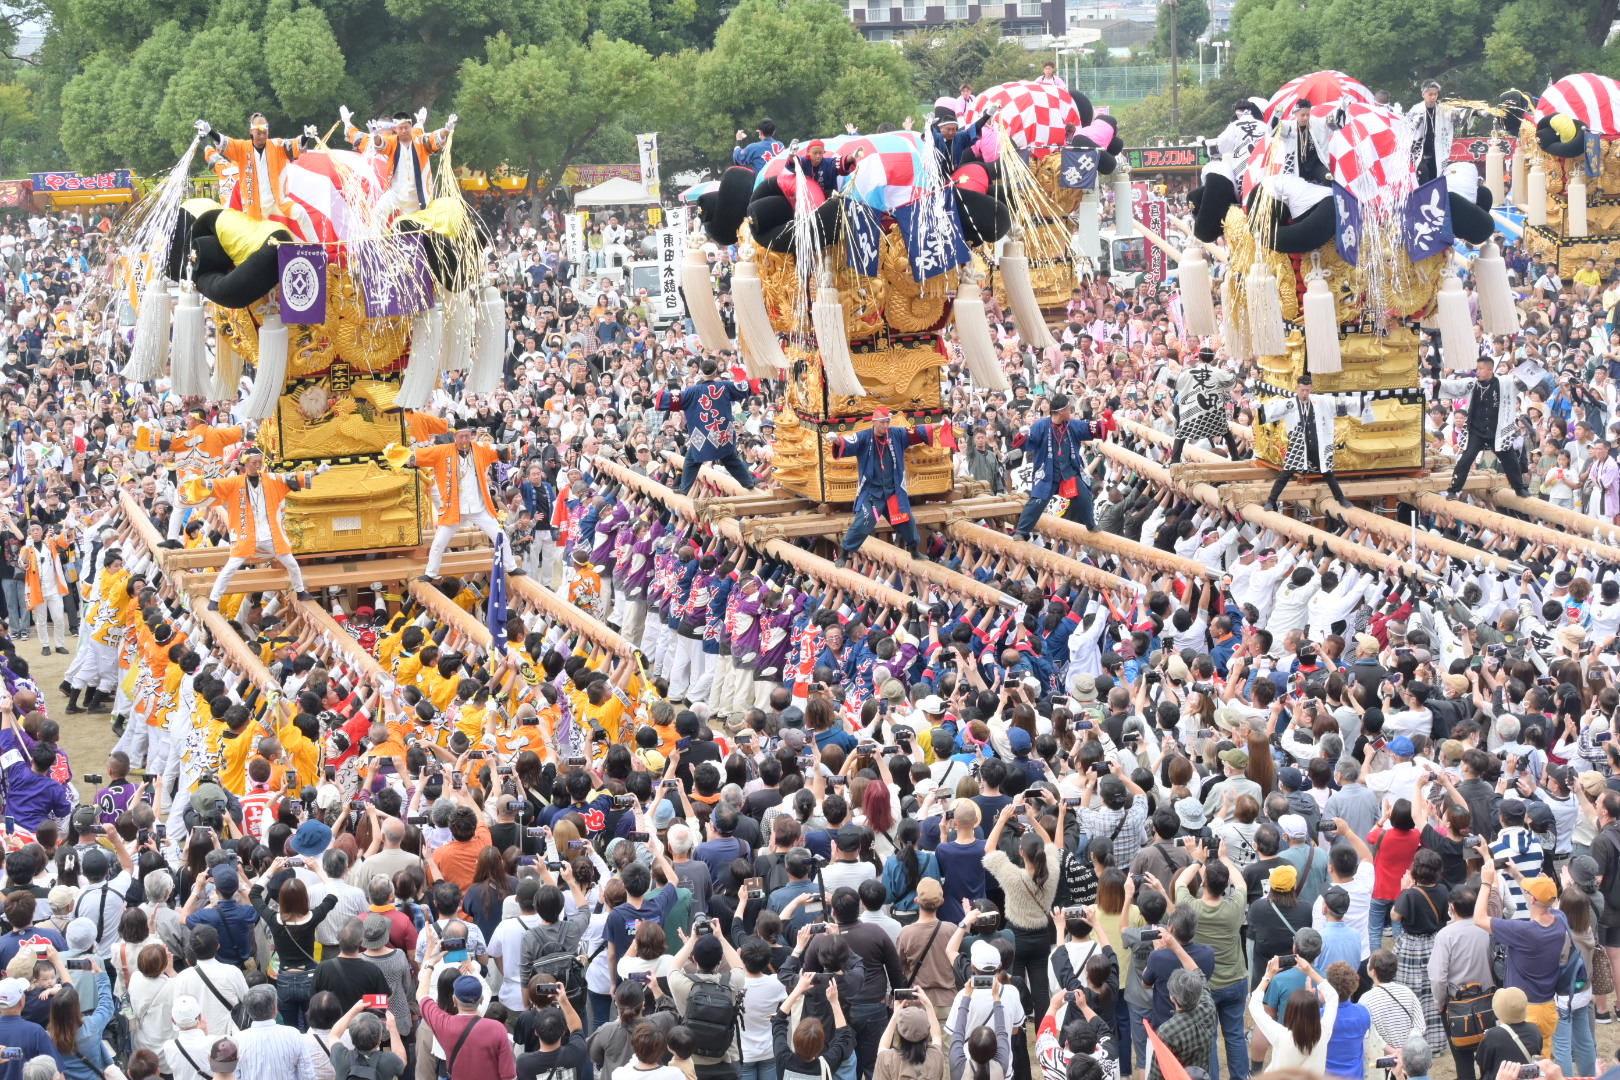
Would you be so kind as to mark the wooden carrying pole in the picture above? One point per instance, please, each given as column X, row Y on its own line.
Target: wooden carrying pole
column 558, row 610
column 1281, row 524
column 1039, row 558
column 781, row 550
column 1572, row 521
column 357, row 657
column 1506, row 526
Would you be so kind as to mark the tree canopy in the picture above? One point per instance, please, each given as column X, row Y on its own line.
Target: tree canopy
column 942, row 58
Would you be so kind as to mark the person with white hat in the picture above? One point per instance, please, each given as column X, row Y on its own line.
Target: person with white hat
column 974, row 1005
column 185, row 1056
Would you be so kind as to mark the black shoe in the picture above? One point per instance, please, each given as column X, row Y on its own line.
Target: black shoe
column 66, row 687
column 61, row 650
column 1454, row 489
column 118, row 725
column 100, row 704
column 306, row 596
column 213, row 605
column 517, row 572
column 73, row 705
column 1024, row 536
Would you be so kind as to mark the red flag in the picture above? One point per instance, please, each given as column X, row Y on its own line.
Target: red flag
column 947, row 435
column 1169, row 1067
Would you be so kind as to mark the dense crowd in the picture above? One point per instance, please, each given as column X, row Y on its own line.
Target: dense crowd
column 1279, row 807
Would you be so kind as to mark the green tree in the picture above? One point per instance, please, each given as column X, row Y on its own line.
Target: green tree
column 1192, row 19
column 512, row 101
column 791, row 60
column 944, row 57
column 304, row 61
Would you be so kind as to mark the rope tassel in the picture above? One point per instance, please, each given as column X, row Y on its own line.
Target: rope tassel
column 1026, row 309
column 1455, row 326
column 1268, row 336
column 827, row 315
column 188, row 356
column 274, row 341
column 1497, row 313
column 762, row 352
column 1197, row 293
column 151, row 343
column 491, row 344
column 973, row 333
column 700, row 303
column 1322, row 353
column 422, row 373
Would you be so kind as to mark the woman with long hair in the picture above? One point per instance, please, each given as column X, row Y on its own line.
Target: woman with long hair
column 1299, row 1038
column 490, row 887
column 292, row 927
column 1574, row 1041
column 877, row 813
column 78, row 1037
column 1262, row 767
column 1030, row 886
column 802, row 1048
column 905, row 868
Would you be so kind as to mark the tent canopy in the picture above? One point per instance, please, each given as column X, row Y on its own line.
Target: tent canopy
column 615, row 192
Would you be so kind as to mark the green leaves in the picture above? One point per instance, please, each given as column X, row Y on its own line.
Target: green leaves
column 305, row 62
column 944, row 57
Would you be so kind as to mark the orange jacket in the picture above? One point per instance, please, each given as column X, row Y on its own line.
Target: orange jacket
column 424, row 144
column 232, row 493
column 31, row 556
column 424, row 426
column 199, row 454
column 446, row 466
column 277, row 154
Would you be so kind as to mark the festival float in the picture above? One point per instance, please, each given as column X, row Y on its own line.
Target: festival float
column 347, row 315
column 1568, row 169
column 852, row 296
column 1337, row 278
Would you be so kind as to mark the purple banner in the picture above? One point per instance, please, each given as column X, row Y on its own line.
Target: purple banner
column 395, row 277
column 1348, row 237
column 1428, row 220
column 303, row 283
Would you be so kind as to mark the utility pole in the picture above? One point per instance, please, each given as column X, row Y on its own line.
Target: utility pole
column 1175, row 81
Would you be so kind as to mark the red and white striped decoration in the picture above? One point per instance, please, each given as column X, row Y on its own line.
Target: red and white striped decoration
column 1319, row 88
column 1592, row 99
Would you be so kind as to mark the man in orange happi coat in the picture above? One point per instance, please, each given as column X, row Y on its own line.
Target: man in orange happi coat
column 254, row 501
column 461, row 485
column 407, row 147
column 199, row 454
column 259, row 161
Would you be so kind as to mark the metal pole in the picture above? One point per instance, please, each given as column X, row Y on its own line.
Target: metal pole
column 1175, row 84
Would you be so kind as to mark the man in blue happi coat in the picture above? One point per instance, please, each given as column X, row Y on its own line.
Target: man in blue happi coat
column 755, row 154
column 880, row 456
column 710, row 434
column 1053, row 444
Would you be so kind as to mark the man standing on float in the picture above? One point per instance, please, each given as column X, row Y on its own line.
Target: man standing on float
column 710, row 433
column 254, row 502
column 461, row 482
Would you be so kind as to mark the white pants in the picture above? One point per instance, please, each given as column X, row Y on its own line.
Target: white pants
column 690, row 670
column 763, row 689
column 265, row 549
column 393, row 202
column 52, row 607
column 633, row 623
column 719, row 683
column 652, row 644
column 547, row 548
column 446, row 533
column 134, row 742
column 737, row 694
column 159, row 750
column 95, row 665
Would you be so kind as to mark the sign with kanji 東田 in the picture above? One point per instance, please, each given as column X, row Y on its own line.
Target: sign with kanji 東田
column 670, row 242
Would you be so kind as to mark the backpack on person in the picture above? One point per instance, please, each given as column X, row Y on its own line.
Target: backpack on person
column 551, row 958
column 713, row 1015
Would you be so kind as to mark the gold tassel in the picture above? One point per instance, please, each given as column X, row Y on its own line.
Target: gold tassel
column 396, row 455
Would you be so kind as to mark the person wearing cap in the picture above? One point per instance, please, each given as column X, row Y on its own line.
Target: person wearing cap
column 1340, row 941
column 706, row 953
column 103, row 896
column 922, row 959
column 911, row 1044
column 223, row 1059
column 1516, row 1039
column 185, row 1055
column 226, row 912
column 1220, row 913
column 1232, row 783
column 1536, row 943
column 1517, row 845
column 1400, row 780
column 976, row 1005
column 1307, row 858
column 475, row 1047
column 880, row 461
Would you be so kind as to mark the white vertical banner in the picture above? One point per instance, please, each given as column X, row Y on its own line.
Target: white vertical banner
column 677, row 219
column 647, row 148
column 671, row 247
column 574, row 237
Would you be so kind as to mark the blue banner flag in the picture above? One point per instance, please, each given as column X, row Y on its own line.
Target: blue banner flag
column 1347, row 209
column 863, row 237
column 495, row 611
column 1079, row 169
column 1428, row 220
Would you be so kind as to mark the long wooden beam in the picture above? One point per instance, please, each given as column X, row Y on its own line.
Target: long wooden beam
column 1038, row 557
column 1253, row 512
column 449, row 612
column 558, row 610
column 1574, row 521
column 1072, row 532
column 357, row 657
column 1429, row 541
column 1490, row 519
column 781, row 550
column 318, row 576
column 205, row 558
column 922, row 513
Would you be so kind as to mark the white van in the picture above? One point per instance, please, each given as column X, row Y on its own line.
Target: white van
column 1125, row 259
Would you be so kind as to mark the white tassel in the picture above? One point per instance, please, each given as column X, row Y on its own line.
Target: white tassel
column 1322, row 356
column 422, row 372
column 1497, row 313
column 827, row 314
column 1197, row 294
column 1518, row 191
column 151, row 343
column 188, row 354
column 1456, row 328
column 1575, row 222
column 1026, row 310
column 274, row 341
column 1495, row 178
column 762, row 352
column 227, row 368
column 973, row 333
column 460, row 322
column 1124, row 219
column 1268, row 336
column 700, row 304
column 1086, row 238
column 1232, row 332
column 489, row 352
column 1535, row 206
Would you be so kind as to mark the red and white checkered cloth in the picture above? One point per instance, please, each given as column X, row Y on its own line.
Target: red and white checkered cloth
column 1320, row 88
column 1366, row 154
column 1594, row 100
column 1036, row 114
